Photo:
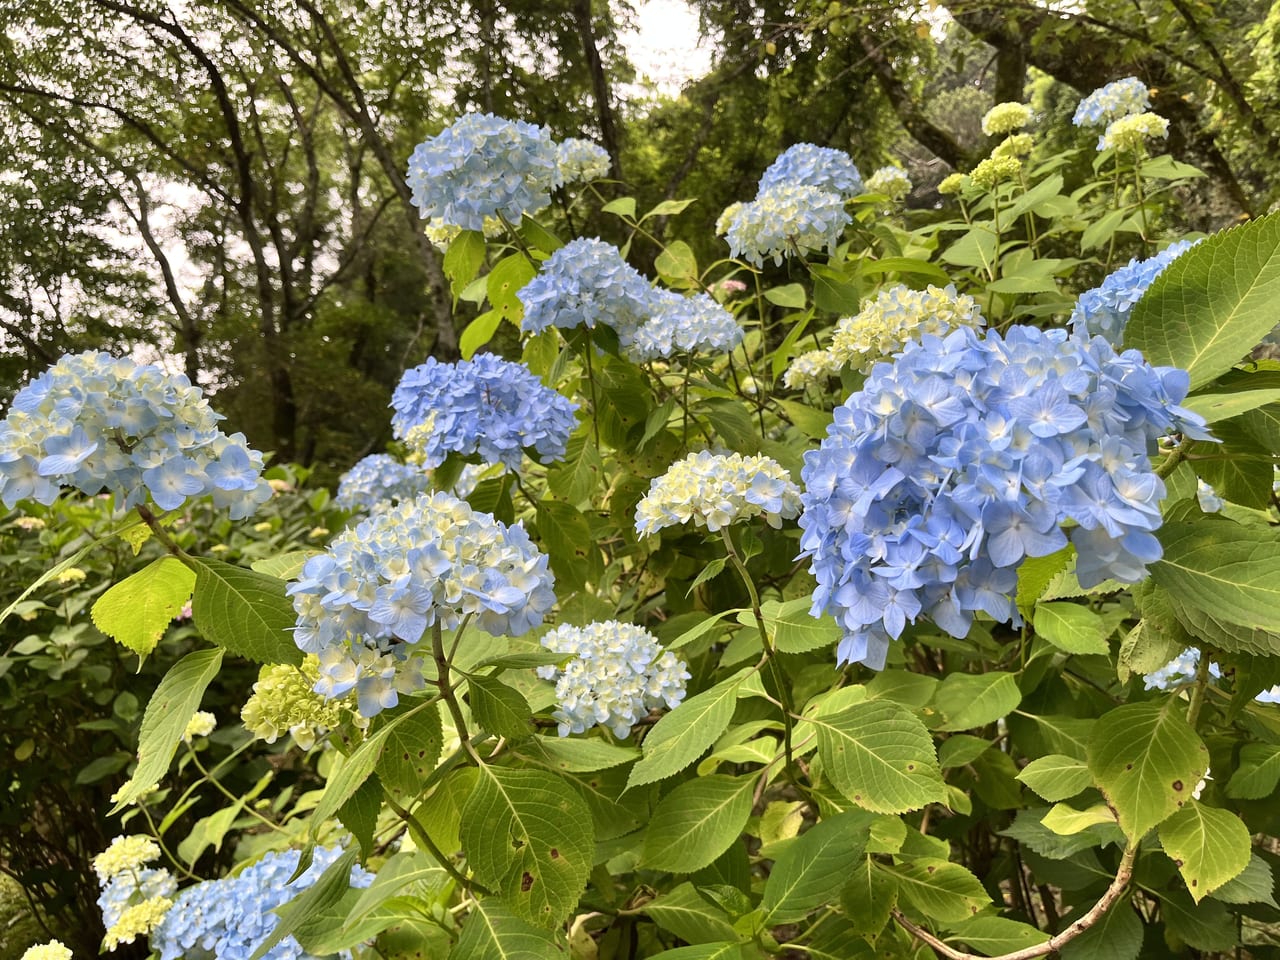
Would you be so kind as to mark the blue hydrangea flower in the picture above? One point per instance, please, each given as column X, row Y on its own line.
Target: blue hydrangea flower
column 586, row 282
column 581, row 161
column 101, row 423
column 619, row 672
column 364, row 604
column 1178, row 671
column 966, row 455
column 784, row 220
column 484, row 405
column 483, row 166
column 379, row 477
column 1104, row 310
column 228, row 918
column 1120, row 98
column 131, row 887
column 808, row 165
column 681, row 324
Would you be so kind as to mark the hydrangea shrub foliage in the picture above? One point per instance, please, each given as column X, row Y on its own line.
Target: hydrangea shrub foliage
column 881, row 589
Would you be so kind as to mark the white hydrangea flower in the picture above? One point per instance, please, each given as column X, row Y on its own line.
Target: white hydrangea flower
column 715, row 490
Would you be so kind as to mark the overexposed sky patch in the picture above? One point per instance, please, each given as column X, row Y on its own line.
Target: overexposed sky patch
column 665, row 48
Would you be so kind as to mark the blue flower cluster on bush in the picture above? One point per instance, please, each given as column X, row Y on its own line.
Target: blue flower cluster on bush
column 681, row 324
column 483, row 166
column 584, row 283
column 808, row 165
column 964, row 456
column 102, row 423
column 619, row 672
column 1181, row 670
column 228, row 918
column 380, row 477
column 485, row 405
column 784, row 220
column 131, row 887
column 1121, row 98
column 365, row 603
column 1105, row 310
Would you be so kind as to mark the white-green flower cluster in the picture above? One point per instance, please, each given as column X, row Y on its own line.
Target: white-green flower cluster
column 715, row 490
column 201, row 724
column 125, row 854
column 1132, row 133
column 53, row 950
column 786, row 219
column 442, row 234
column 810, row 369
column 897, row 316
column 1006, row 118
column 892, row 181
column 619, row 672
column 284, row 700
column 581, row 161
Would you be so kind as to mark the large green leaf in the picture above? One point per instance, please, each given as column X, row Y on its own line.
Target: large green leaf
column 1210, row 846
column 527, row 834
column 1147, row 760
column 880, row 756
column 493, row 932
column 996, row 935
column 245, row 612
column 566, row 536
column 794, row 630
column 168, row 712
column 940, row 890
column 682, row 735
column 815, row 867
column 721, row 950
column 1213, row 304
column 968, row 700
column 696, row 822
column 136, row 611
column 1056, row 777
column 410, row 753
column 868, row 897
column 1072, row 628
column 1254, row 884
column 498, row 708
column 690, row 916
column 1117, row 936
column 1258, row 773
column 577, row 755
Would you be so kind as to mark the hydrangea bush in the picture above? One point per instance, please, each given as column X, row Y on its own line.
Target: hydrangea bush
column 886, row 587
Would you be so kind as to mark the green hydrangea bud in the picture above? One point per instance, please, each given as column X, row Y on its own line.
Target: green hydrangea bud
column 284, row 701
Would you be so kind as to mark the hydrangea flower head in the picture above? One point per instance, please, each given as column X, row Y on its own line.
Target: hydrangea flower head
column 101, row 423
column 995, row 170
column 787, row 219
column 201, row 724
column 1117, row 99
column 442, row 234
column 681, row 324
column 896, row 316
column 53, row 950
column 284, row 700
column 125, row 854
column 892, row 181
column 134, row 902
column 715, row 490
column 966, row 455
column 1105, row 310
column 484, row 405
column 364, row 605
column 581, row 161
column 229, row 917
column 584, row 283
column 1132, row 133
column 1018, row 145
column 808, row 165
column 619, row 672
column 810, row 369
column 953, row 183
column 379, row 477
column 1179, row 671
column 483, row 166
column 1005, row 118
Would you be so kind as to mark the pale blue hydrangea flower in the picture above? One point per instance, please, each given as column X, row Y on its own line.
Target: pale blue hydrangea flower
column 1178, row 671
column 485, row 405
column 584, row 283
column 1269, row 696
column 619, row 672
column 966, row 455
column 681, row 324
column 228, row 918
column 102, row 423
column 1120, row 98
column 378, row 477
column 1105, row 310
column 483, row 166
column 808, row 165
column 784, row 220
column 581, row 161
column 364, row 604
column 1208, row 498
column 715, row 490
column 892, row 181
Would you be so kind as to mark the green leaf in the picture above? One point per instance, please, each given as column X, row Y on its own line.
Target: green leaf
column 508, row 276
column 1213, row 304
column 360, row 814
column 880, row 756
column 1056, row 777
column 904, row 265
column 1147, row 760
column 498, row 708
column 1036, row 573
column 479, row 332
column 1258, row 773
column 812, row 423
column 940, row 890
column 713, row 569
column 567, row 538
column 493, row 932
column 731, row 422
column 690, row 917
column 696, row 822
column 463, row 259
column 685, row 733
column 622, row 207
column 579, row 476
column 327, row 890
column 136, row 611
column 285, row 566
column 244, row 612
column 677, row 261
column 168, row 712
column 722, row 950
column 615, row 811
column 995, row 936
column 815, row 867
column 576, row 755
column 968, row 700
column 1066, row 821
column 1073, row 628
column 1206, row 925
column 538, row 236
column 833, row 292
column 1255, row 884
column 668, row 208
column 794, row 630
column 410, row 752
column 868, row 897
column 1117, row 936
column 1243, row 398
column 1210, row 846
column 1101, row 230
column 525, row 833
column 792, row 296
